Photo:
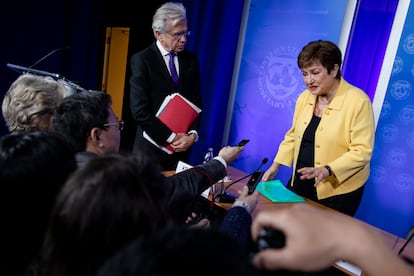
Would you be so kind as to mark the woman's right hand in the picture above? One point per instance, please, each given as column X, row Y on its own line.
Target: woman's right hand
column 271, row 172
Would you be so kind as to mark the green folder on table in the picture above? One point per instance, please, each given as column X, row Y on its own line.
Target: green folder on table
column 275, row 191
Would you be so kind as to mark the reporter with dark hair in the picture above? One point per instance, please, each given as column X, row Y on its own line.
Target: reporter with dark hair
column 180, row 251
column 88, row 122
column 106, row 204
column 33, row 168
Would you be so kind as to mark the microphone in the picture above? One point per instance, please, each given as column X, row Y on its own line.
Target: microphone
column 70, row 86
column 48, row 55
column 225, row 197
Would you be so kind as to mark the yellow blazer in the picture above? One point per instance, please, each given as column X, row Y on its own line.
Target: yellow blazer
column 344, row 139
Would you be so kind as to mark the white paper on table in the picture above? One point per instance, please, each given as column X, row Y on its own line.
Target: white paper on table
column 182, row 166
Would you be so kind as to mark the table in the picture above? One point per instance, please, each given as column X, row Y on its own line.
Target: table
column 234, row 174
column 392, row 240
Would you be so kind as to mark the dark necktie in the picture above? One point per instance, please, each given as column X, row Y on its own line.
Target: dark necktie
column 173, row 71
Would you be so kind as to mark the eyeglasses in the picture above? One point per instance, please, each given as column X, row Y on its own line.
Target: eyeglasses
column 177, row 36
column 119, row 124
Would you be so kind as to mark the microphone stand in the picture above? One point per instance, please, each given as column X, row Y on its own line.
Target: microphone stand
column 225, row 197
column 48, row 55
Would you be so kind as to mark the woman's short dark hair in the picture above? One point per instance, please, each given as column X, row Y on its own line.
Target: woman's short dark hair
column 326, row 52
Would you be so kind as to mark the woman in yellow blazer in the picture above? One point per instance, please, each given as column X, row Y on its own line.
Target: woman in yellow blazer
column 331, row 139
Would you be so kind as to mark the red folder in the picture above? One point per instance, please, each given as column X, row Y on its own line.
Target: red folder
column 177, row 113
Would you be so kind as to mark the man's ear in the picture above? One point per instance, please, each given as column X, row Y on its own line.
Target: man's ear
column 95, row 134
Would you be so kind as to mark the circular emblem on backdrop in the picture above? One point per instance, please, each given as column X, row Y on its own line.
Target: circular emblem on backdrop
column 280, row 80
column 410, row 140
column 397, row 66
column 388, row 133
column 386, row 109
column 404, row 182
column 408, row 45
column 412, row 70
column 378, row 174
column 396, row 158
column 406, row 114
column 400, row 89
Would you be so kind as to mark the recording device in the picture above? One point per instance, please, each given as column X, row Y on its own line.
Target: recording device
column 203, row 208
column 254, row 180
column 243, row 142
column 226, row 197
column 270, row 238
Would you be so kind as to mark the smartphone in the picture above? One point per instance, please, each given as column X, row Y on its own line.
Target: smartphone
column 243, row 142
column 254, row 180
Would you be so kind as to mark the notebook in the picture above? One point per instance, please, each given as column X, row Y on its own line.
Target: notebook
column 276, row 192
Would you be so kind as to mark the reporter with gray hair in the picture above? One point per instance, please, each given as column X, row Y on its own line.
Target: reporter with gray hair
column 30, row 103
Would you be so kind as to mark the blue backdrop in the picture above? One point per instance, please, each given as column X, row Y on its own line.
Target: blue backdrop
column 267, row 72
column 269, row 79
column 389, row 196
column 268, row 83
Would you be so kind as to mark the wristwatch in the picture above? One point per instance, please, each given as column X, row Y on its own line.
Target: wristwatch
column 329, row 170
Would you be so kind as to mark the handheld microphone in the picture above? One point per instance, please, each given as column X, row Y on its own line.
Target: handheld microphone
column 226, row 197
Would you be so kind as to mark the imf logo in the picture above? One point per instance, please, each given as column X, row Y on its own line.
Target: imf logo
column 280, row 80
column 409, row 44
column 404, row 182
column 400, row 90
column 388, row 133
column 410, row 140
column 386, row 109
column 406, row 114
column 397, row 66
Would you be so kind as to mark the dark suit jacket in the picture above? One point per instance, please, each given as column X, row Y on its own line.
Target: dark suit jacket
column 187, row 186
column 185, row 191
column 192, row 182
column 151, row 82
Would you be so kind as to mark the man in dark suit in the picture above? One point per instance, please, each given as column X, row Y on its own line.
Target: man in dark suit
column 152, row 80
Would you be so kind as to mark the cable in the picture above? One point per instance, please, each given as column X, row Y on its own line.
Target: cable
column 406, row 242
column 49, row 54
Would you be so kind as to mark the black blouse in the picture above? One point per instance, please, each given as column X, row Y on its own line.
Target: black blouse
column 306, row 159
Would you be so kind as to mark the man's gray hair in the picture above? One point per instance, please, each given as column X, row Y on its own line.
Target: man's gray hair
column 170, row 11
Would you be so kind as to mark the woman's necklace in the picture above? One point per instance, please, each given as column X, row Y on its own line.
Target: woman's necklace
column 320, row 106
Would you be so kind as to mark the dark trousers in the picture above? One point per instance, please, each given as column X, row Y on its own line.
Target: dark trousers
column 345, row 203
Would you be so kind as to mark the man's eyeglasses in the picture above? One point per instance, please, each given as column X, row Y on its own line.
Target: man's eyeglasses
column 177, row 36
column 119, row 124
